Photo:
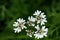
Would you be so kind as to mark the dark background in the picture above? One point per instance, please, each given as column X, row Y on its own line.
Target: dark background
column 11, row 10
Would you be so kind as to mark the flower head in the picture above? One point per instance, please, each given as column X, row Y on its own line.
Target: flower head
column 40, row 17
column 41, row 32
column 29, row 33
column 19, row 25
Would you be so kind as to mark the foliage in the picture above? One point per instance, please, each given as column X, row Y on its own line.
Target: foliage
column 10, row 10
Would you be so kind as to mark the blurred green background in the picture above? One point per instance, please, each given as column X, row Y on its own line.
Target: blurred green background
column 10, row 10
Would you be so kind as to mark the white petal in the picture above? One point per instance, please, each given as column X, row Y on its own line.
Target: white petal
column 29, row 18
column 44, row 20
column 46, row 29
column 30, row 35
column 25, row 27
column 32, row 19
column 37, row 27
column 15, row 24
column 38, row 21
column 37, row 13
column 45, row 35
column 37, row 37
column 36, row 32
column 33, row 24
column 17, row 30
column 42, row 15
column 42, row 23
column 41, row 36
column 20, row 20
column 43, row 27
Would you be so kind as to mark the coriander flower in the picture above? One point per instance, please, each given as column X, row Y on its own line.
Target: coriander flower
column 29, row 33
column 40, row 17
column 41, row 32
column 19, row 25
column 31, row 21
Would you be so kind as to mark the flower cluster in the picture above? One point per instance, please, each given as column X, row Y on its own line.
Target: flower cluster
column 37, row 21
column 19, row 25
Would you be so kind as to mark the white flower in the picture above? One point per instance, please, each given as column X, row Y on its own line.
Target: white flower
column 41, row 32
column 31, row 21
column 40, row 17
column 29, row 33
column 19, row 25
